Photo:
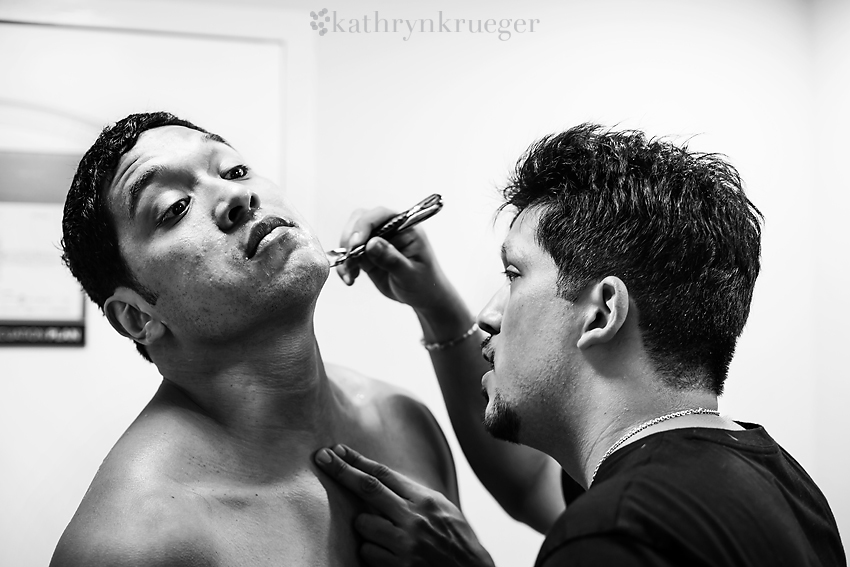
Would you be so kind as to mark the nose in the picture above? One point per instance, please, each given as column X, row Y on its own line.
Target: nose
column 490, row 318
column 236, row 204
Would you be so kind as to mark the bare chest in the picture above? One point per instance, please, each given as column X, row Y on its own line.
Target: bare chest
column 307, row 523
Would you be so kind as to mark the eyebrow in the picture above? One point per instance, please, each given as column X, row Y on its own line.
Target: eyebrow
column 140, row 184
column 516, row 253
column 145, row 179
column 506, row 249
column 210, row 137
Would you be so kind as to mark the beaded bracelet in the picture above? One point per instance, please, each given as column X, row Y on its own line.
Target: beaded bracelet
column 431, row 347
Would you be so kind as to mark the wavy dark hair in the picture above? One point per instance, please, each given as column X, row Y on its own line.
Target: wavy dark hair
column 674, row 225
column 89, row 237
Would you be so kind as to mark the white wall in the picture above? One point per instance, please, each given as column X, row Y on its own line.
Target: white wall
column 828, row 190
column 762, row 81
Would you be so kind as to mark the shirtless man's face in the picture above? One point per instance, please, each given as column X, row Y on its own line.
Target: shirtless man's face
column 219, row 245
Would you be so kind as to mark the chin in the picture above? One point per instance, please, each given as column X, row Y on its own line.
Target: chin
column 293, row 292
column 318, row 272
column 501, row 421
column 306, row 269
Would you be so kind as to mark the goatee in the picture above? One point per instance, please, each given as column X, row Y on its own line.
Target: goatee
column 502, row 422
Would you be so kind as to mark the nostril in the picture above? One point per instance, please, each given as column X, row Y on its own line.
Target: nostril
column 254, row 202
column 487, row 328
column 234, row 213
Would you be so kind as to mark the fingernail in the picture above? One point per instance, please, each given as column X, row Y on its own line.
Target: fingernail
column 346, row 278
column 339, row 450
column 354, row 240
column 323, row 457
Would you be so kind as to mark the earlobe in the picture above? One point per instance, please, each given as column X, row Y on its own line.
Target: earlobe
column 133, row 317
column 607, row 309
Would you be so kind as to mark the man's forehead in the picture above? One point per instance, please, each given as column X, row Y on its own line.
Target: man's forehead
column 168, row 137
column 144, row 160
column 523, row 233
column 164, row 142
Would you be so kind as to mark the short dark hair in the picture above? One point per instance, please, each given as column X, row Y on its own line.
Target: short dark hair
column 673, row 224
column 89, row 237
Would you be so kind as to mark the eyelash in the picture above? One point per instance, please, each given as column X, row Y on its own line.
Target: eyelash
column 245, row 169
column 511, row 275
column 166, row 215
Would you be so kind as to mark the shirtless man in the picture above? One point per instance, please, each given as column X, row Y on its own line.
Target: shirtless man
column 208, row 268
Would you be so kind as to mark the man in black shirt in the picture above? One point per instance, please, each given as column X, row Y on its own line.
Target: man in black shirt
column 630, row 266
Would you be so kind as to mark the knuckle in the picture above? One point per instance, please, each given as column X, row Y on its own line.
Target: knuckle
column 418, row 524
column 370, row 485
column 381, row 472
column 429, row 503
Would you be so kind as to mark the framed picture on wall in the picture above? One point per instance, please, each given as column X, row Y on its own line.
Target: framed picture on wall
column 40, row 302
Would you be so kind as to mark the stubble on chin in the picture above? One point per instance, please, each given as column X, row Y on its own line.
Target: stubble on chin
column 502, row 422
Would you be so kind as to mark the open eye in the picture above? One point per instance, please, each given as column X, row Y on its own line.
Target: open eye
column 175, row 211
column 510, row 273
column 237, row 172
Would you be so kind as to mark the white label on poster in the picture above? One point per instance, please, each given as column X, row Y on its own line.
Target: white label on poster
column 34, row 283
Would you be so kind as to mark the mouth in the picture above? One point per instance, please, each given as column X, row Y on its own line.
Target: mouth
column 261, row 230
column 485, row 395
column 488, row 353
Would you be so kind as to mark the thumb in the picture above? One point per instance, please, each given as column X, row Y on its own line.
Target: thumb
column 386, row 257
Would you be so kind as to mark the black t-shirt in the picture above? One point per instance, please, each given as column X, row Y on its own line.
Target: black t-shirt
column 696, row 497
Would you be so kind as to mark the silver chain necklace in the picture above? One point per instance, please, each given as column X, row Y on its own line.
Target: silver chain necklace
column 638, row 428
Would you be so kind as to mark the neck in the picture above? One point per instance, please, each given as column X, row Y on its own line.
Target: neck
column 267, row 393
column 628, row 404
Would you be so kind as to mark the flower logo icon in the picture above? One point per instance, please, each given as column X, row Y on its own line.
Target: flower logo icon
column 319, row 20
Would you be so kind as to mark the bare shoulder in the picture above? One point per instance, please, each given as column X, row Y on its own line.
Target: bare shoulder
column 401, row 430
column 359, row 386
column 133, row 521
column 136, row 510
column 389, row 401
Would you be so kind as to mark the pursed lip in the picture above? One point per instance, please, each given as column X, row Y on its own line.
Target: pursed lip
column 260, row 230
column 487, row 351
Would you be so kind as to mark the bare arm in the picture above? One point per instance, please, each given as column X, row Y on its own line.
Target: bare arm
column 525, row 482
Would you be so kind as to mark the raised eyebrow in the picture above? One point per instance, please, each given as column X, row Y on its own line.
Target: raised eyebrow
column 505, row 250
column 140, row 184
column 210, row 137
column 142, row 181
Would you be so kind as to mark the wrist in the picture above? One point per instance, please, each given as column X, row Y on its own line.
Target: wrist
column 446, row 320
column 444, row 345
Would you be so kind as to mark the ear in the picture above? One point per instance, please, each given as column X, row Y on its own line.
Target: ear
column 133, row 317
column 607, row 306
